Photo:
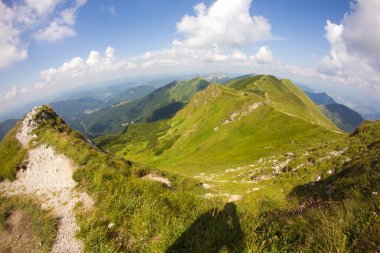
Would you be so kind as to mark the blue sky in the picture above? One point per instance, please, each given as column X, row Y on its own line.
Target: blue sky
column 52, row 45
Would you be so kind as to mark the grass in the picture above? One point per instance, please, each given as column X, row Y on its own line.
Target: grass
column 290, row 212
column 40, row 224
column 197, row 140
column 287, row 215
column 148, row 216
column 12, row 156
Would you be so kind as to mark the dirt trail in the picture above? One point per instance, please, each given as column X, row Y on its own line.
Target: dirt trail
column 48, row 176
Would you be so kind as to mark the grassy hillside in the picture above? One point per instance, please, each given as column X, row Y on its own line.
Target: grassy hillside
column 223, row 133
column 324, row 199
column 160, row 104
column 284, row 96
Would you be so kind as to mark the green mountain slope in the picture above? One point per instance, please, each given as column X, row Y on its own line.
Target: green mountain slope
column 222, row 128
column 342, row 116
column 171, row 97
column 284, row 96
column 325, row 199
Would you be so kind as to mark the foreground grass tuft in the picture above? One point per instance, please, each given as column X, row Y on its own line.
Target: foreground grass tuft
column 37, row 227
column 12, row 156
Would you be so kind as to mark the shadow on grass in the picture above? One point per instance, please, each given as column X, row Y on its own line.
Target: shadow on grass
column 213, row 231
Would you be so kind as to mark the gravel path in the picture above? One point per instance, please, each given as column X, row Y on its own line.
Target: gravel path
column 48, row 176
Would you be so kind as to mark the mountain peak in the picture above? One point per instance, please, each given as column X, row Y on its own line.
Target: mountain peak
column 217, row 77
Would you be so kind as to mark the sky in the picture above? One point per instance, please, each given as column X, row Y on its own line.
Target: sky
column 47, row 46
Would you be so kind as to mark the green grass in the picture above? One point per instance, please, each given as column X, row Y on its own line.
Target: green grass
column 12, row 156
column 148, row 216
column 290, row 212
column 284, row 96
column 43, row 224
column 197, row 141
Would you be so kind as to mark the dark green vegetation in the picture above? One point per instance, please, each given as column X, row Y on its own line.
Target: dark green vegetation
column 24, row 227
column 12, row 156
column 172, row 97
column 342, row 116
column 6, row 126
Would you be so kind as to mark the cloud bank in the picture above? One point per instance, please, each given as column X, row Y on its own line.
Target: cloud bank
column 354, row 56
column 46, row 20
column 213, row 35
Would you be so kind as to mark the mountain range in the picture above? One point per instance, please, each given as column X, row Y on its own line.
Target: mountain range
column 252, row 165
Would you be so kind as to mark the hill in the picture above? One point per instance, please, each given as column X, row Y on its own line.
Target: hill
column 162, row 103
column 6, row 126
column 324, row 199
column 217, row 78
column 342, row 116
column 225, row 129
column 284, row 96
column 320, row 98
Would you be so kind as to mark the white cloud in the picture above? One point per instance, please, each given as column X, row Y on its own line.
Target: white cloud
column 354, row 56
column 11, row 49
column 214, row 35
column 225, row 23
column 62, row 26
column 46, row 20
column 43, row 7
column 239, row 56
column 55, row 32
column 12, row 93
column 78, row 70
column 263, row 56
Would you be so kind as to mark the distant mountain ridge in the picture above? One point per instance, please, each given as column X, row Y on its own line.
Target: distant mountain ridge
column 225, row 126
column 162, row 103
column 6, row 126
column 342, row 116
column 320, row 98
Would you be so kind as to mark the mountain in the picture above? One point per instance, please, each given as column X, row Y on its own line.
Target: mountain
column 305, row 88
column 162, row 103
column 131, row 93
column 6, row 126
column 217, row 77
column 228, row 127
column 300, row 186
column 74, row 111
column 284, row 96
column 342, row 116
column 321, row 98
